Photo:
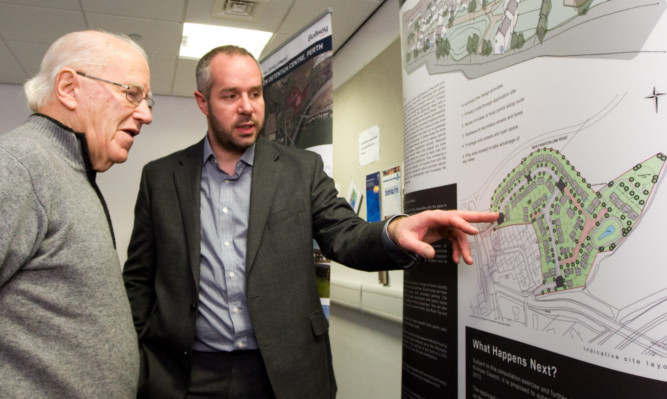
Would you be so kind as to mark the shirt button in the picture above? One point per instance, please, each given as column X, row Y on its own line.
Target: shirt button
column 235, row 310
column 232, row 274
column 241, row 344
column 226, row 243
column 225, row 210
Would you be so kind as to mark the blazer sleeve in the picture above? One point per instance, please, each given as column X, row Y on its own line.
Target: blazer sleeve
column 139, row 269
column 342, row 235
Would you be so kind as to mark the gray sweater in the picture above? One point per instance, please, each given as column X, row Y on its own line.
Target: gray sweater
column 65, row 324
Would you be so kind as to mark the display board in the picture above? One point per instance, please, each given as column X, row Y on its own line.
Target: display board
column 298, row 90
column 553, row 114
column 298, row 93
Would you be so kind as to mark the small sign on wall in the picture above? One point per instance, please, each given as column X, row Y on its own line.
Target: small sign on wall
column 354, row 196
column 373, row 197
column 392, row 203
column 369, row 145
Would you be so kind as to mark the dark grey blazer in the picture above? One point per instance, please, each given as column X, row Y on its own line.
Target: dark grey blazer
column 292, row 202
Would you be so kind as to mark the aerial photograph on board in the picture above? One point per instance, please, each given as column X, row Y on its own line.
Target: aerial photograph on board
column 479, row 37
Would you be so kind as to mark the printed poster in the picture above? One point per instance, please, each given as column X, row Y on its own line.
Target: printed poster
column 298, row 91
column 392, row 198
column 553, row 113
column 298, row 94
column 373, row 205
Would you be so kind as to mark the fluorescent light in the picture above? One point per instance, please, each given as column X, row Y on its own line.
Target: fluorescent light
column 199, row 39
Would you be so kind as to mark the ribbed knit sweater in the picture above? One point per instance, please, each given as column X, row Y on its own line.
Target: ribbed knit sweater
column 65, row 324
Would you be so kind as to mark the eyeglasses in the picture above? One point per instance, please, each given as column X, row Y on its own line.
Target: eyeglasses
column 133, row 93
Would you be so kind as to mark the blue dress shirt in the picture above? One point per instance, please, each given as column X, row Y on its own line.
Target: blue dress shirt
column 223, row 322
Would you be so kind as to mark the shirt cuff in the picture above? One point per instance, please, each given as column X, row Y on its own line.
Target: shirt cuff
column 396, row 253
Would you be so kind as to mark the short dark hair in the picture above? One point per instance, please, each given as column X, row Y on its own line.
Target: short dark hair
column 203, row 71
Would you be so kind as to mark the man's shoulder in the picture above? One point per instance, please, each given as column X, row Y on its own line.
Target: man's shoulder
column 281, row 150
column 23, row 142
column 9, row 138
column 192, row 153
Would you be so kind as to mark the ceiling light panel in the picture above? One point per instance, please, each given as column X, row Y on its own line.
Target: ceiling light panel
column 198, row 39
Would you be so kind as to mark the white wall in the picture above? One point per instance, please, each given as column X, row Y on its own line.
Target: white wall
column 177, row 123
column 373, row 38
column 13, row 107
column 366, row 348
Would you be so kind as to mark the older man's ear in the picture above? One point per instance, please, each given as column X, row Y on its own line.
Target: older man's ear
column 66, row 88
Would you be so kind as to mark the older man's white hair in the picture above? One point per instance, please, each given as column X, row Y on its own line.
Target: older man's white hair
column 76, row 50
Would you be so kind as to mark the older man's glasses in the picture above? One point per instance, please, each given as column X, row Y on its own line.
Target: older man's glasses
column 133, row 93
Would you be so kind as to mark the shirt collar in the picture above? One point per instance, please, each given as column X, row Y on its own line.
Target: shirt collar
column 248, row 156
column 81, row 138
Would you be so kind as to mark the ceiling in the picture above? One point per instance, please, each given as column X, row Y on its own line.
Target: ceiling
column 28, row 27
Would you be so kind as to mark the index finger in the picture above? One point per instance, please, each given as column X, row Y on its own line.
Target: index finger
column 462, row 219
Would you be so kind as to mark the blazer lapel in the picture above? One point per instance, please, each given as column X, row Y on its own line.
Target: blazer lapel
column 266, row 172
column 187, row 180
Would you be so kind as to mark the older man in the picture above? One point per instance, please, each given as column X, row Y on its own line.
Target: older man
column 65, row 323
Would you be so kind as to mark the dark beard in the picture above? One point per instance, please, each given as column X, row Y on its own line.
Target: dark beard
column 222, row 137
